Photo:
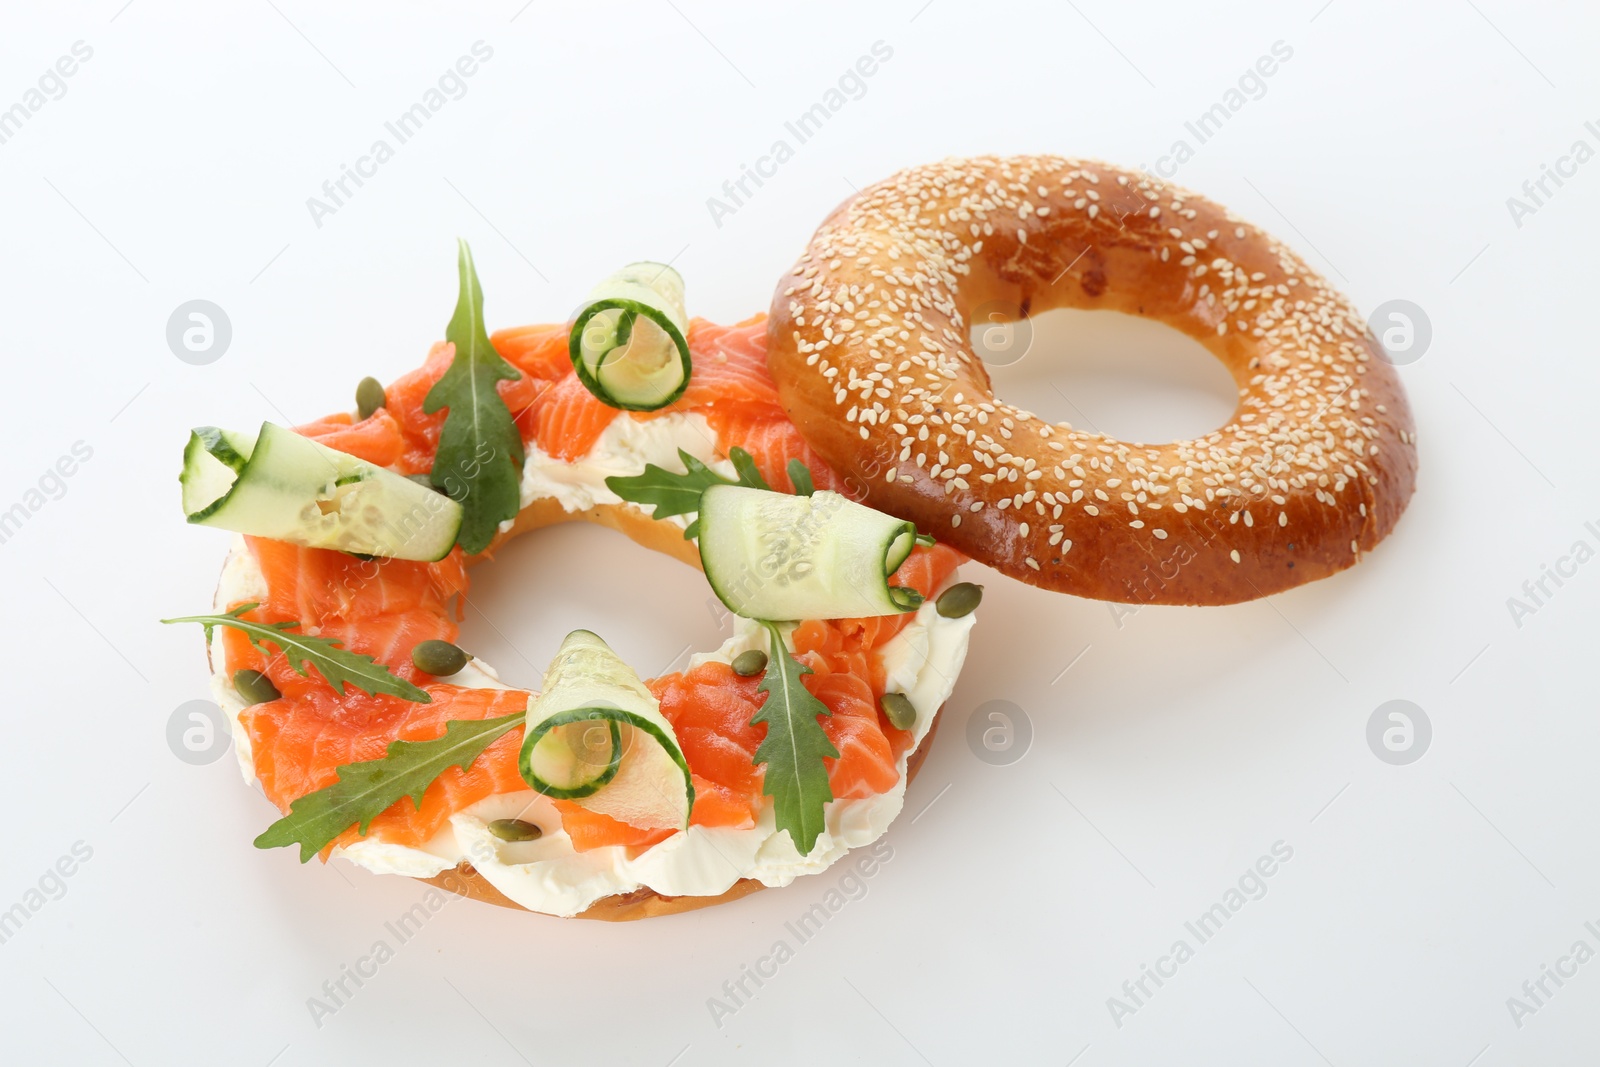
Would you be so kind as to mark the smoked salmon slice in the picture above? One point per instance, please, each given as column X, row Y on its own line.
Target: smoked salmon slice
column 540, row 352
column 420, row 430
column 298, row 745
column 376, row 439
column 568, row 419
column 309, row 585
column 772, row 441
column 730, row 367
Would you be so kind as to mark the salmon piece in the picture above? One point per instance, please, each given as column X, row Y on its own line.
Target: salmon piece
column 772, row 441
column 388, row 639
column 730, row 367
column 714, row 805
column 376, row 439
column 926, row 570
column 520, row 397
column 311, row 585
column 569, row 419
column 420, row 431
column 540, row 352
column 299, row 744
column 866, row 763
column 710, row 709
column 405, row 395
column 718, row 805
column 493, row 772
column 590, row 829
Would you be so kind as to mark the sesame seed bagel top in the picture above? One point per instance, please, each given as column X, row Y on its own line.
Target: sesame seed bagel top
column 869, row 343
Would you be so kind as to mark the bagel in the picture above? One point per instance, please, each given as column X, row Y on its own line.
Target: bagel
column 581, row 864
column 869, row 344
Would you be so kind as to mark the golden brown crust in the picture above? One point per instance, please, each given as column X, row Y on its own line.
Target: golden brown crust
column 642, row 903
column 664, row 537
column 869, row 344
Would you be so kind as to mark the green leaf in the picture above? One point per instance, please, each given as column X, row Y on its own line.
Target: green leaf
column 746, row 466
column 338, row 665
column 366, row 789
column 479, row 463
column 675, row 493
column 800, row 476
column 672, row 493
column 794, row 748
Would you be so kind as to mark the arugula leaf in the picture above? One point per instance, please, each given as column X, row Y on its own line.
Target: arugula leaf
column 794, row 748
column 338, row 665
column 749, row 476
column 366, row 789
column 800, row 476
column 673, row 493
column 479, row 462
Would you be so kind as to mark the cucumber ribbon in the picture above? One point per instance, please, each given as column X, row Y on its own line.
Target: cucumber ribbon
column 629, row 342
column 280, row 485
column 776, row 557
column 596, row 736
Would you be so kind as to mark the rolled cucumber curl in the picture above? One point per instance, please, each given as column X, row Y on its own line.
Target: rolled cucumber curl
column 629, row 344
column 280, row 485
column 596, row 736
column 775, row 557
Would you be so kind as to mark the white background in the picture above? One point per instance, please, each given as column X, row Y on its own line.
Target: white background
column 1171, row 747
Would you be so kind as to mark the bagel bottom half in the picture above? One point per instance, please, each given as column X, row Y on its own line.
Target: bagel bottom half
column 642, row 903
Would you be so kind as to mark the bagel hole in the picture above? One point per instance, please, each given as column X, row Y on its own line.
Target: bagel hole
column 653, row 610
column 1135, row 379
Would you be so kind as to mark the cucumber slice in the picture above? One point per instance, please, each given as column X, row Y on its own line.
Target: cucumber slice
column 575, row 759
column 596, row 736
column 280, row 485
column 776, row 557
column 629, row 344
column 212, row 461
